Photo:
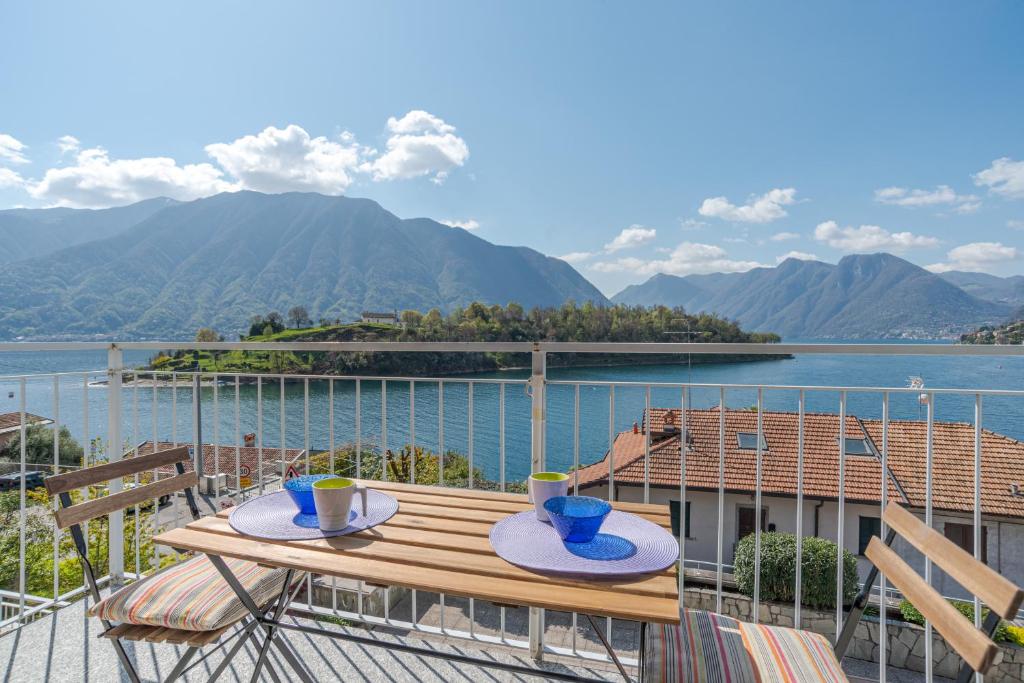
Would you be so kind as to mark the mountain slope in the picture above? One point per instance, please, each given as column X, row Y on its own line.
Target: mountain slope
column 669, row 290
column 217, row 261
column 1002, row 290
column 863, row 296
column 26, row 233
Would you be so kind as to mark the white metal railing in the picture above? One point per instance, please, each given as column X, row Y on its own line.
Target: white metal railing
column 503, row 427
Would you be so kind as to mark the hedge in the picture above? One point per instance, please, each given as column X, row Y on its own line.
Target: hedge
column 778, row 569
column 1002, row 634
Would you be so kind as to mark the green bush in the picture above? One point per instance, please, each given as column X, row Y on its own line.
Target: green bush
column 778, row 569
column 1002, row 634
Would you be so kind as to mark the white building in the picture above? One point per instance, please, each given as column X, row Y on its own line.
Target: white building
column 380, row 318
column 952, row 482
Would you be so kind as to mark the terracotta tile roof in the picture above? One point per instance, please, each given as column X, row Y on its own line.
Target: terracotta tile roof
column 10, row 421
column 249, row 457
column 953, row 459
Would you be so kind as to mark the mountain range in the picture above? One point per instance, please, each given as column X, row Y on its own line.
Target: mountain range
column 862, row 296
column 162, row 269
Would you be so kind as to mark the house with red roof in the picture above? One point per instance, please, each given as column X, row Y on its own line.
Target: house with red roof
column 721, row 456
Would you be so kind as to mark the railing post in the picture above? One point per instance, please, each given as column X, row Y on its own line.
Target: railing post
column 115, row 545
column 538, row 419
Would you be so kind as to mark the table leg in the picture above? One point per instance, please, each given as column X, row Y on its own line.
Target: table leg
column 269, row 625
column 611, row 651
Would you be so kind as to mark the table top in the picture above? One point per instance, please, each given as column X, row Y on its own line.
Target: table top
column 438, row 542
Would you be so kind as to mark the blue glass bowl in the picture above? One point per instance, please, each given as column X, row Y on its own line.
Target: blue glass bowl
column 577, row 519
column 301, row 491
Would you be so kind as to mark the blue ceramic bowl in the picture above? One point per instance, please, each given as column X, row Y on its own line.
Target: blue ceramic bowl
column 577, row 519
column 301, row 491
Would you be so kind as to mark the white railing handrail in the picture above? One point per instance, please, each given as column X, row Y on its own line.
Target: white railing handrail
column 756, row 349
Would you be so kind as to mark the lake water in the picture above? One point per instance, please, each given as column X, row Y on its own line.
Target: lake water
column 173, row 409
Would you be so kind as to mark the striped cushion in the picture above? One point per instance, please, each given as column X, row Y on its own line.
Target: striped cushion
column 707, row 647
column 192, row 596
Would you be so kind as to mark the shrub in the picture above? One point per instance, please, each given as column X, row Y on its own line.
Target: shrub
column 1002, row 634
column 1015, row 634
column 778, row 569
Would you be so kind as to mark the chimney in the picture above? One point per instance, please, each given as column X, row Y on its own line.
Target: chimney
column 636, row 428
column 250, row 439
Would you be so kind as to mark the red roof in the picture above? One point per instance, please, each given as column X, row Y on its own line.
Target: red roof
column 248, row 458
column 952, row 461
column 11, row 421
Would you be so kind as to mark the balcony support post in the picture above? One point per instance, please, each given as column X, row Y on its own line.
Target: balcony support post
column 538, row 420
column 115, row 367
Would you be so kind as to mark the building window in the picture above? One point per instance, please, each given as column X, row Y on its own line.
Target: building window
column 748, row 441
column 869, row 526
column 963, row 536
column 673, row 508
column 858, row 447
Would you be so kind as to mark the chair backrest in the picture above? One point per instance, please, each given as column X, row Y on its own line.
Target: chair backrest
column 1000, row 595
column 62, row 485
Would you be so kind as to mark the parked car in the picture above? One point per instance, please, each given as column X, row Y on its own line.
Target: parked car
column 12, row 482
column 164, row 499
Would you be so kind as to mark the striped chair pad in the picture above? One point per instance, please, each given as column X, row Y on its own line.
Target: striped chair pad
column 191, row 596
column 710, row 648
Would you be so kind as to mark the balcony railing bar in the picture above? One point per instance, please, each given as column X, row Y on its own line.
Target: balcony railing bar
column 883, row 655
column 731, row 349
column 798, row 581
column 759, row 458
column 721, row 498
column 840, row 515
column 929, row 520
column 789, row 387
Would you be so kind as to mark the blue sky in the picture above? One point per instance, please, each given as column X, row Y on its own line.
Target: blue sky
column 632, row 138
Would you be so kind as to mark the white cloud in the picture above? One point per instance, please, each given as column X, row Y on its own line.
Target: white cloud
column 687, row 258
column 95, row 180
column 1004, row 177
column 763, row 209
column 633, row 236
column 976, row 256
column 784, row 236
column 576, row 256
column 11, row 150
column 288, row 160
column 941, row 195
column 800, row 255
column 68, row 144
column 9, row 178
column 868, row 238
column 1015, row 224
column 692, row 224
column 420, row 144
column 469, row 224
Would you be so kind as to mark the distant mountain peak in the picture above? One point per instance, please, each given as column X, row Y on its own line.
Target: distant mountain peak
column 219, row 260
column 862, row 296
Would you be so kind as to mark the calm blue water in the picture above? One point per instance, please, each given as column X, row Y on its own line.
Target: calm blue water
column 174, row 408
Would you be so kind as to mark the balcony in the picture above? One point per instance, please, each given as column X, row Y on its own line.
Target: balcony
column 823, row 459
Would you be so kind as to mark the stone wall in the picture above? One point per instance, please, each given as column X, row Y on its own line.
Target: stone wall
column 904, row 643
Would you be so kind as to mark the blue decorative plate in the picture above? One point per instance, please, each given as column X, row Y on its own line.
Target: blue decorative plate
column 275, row 516
column 626, row 545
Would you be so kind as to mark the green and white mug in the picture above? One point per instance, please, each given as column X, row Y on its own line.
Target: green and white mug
column 333, row 498
column 545, row 485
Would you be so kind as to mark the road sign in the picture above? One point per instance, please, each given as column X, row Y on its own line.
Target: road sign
column 291, row 473
column 244, row 471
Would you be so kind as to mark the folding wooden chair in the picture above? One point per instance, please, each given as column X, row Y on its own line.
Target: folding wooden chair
column 712, row 647
column 189, row 603
column 1001, row 596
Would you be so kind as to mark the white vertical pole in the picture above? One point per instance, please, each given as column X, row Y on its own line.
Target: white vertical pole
column 978, row 536
column 537, row 425
column 798, row 585
column 883, row 628
column 757, row 505
column 115, row 365
column 841, row 515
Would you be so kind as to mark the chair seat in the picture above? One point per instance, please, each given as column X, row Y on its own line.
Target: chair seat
column 710, row 647
column 191, row 596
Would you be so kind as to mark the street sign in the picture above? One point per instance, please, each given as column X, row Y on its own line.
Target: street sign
column 291, row 473
column 244, row 471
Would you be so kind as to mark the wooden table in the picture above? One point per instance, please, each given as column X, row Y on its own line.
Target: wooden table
column 438, row 542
